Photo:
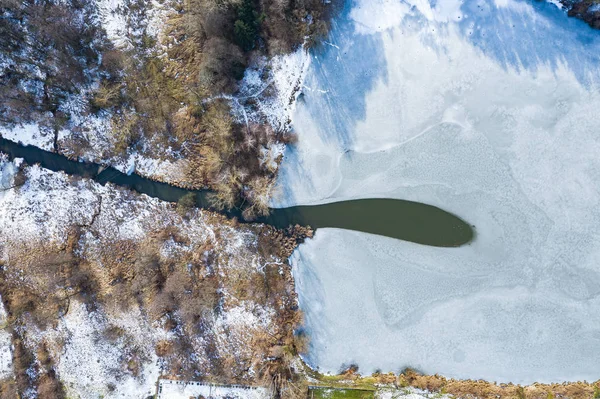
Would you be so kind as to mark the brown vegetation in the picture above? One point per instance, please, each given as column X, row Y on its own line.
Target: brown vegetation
column 178, row 100
column 165, row 92
column 482, row 389
column 581, row 9
column 183, row 293
column 470, row 389
column 8, row 389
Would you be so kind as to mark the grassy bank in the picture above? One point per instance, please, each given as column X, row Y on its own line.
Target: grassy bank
column 351, row 385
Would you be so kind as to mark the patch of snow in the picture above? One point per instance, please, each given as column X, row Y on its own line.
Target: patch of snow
column 6, row 367
column 288, row 76
column 285, row 79
column 371, row 17
column 447, row 10
column 6, row 360
column 592, row 8
column 89, row 363
column 114, row 20
column 130, row 166
column 385, row 14
column 172, row 389
column 8, row 170
column 157, row 14
column 557, row 3
column 121, row 24
column 270, row 156
column 29, row 134
column 43, row 206
column 408, row 393
column 153, row 168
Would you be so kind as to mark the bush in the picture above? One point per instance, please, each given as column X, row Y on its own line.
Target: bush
column 186, row 203
column 8, row 389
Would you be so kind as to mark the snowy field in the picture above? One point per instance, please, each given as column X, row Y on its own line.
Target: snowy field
column 170, row 389
column 488, row 110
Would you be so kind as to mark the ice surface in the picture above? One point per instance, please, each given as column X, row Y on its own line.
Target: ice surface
column 7, row 173
column 487, row 109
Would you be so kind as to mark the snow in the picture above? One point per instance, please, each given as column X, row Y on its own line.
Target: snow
column 275, row 95
column 29, row 134
column 6, row 369
column 120, row 23
column 557, row 3
column 113, row 16
column 170, row 389
column 407, row 393
column 372, row 17
column 41, row 212
column 54, row 200
column 159, row 169
column 377, row 16
column 490, row 117
column 237, row 326
column 270, row 156
column 87, row 363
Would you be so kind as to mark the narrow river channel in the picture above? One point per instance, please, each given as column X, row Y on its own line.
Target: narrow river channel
column 404, row 220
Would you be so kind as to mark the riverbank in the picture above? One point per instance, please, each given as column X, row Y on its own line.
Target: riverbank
column 586, row 10
column 351, row 385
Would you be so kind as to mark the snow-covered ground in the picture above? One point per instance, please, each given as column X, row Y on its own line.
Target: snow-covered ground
column 407, row 393
column 170, row 389
column 487, row 109
column 5, row 346
column 88, row 362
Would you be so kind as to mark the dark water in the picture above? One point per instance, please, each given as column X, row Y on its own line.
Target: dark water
column 404, row 220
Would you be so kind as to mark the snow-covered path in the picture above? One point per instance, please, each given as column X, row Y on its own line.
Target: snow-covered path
column 488, row 109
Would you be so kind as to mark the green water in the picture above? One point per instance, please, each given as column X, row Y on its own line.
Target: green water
column 404, row 220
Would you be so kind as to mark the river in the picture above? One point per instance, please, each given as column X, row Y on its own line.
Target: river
column 405, row 220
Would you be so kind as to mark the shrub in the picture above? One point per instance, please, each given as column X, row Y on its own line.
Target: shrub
column 8, row 389
column 23, row 361
column 186, row 203
column 49, row 387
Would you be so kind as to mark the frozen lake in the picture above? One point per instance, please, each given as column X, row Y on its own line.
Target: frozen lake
column 489, row 110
